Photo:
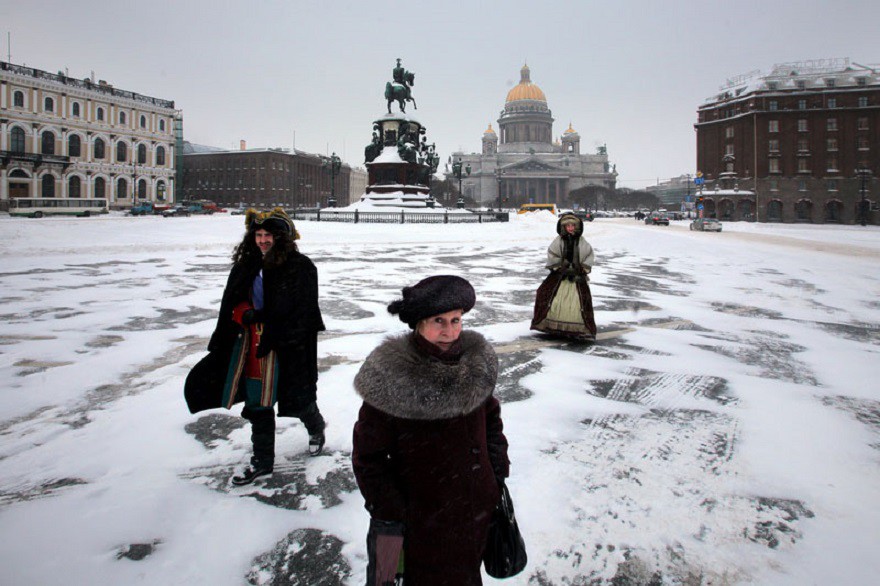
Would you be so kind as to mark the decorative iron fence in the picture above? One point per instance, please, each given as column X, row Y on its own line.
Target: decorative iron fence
column 401, row 217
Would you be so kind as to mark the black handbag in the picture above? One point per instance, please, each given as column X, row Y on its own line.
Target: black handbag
column 505, row 553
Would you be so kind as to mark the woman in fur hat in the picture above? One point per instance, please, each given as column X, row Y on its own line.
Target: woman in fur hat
column 429, row 453
column 564, row 304
column 264, row 347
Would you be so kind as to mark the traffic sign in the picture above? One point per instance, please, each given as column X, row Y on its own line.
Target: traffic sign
column 700, row 207
column 698, row 180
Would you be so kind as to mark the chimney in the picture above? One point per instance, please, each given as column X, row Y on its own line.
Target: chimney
column 243, row 145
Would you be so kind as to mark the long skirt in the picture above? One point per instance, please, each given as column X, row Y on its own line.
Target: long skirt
column 564, row 307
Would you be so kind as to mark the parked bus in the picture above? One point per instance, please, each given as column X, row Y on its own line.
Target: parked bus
column 536, row 207
column 37, row 207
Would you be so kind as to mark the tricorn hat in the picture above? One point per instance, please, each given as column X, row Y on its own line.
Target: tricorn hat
column 275, row 220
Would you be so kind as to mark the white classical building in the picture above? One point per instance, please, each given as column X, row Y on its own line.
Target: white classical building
column 525, row 164
column 73, row 138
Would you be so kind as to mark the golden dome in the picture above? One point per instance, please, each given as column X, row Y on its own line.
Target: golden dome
column 489, row 130
column 526, row 90
column 570, row 130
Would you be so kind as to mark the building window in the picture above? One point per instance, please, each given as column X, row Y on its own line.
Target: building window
column 728, row 132
column 121, row 152
column 774, row 105
column 801, row 84
column 863, row 143
column 863, row 102
column 121, row 187
column 774, row 165
column 832, row 164
column 831, row 124
column 99, row 114
column 832, row 184
column 142, row 154
column 802, row 104
column 773, row 126
column 17, row 140
column 142, row 188
column 774, row 185
column 862, row 81
column 122, row 117
column 832, row 102
column 48, row 186
column 100, row 187
column 48, row 143
column 862, row 123
column 728, row 149
column 830, row 82
column 143, row 121
column 831, row 144
column 803, row 125
column 802, row 185
column 803, row 145
column 73, row 145
column 49, row 105
column 99, row 148
column 74, row 186
column 773, row 145
column 803, row 165
column 18, row 99
column 160, row 156
column 773, row 86
column 75, row 109
column 162, row 125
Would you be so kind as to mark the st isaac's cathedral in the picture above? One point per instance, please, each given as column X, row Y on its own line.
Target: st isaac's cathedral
column 525, row 165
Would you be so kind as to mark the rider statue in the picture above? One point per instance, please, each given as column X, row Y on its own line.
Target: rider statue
column 400, row 88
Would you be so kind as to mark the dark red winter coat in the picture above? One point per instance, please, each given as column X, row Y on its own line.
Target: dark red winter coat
column 428, row 452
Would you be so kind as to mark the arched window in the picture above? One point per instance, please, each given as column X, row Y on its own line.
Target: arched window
column 48, row 186
column 121, row 188
column 99, row 114
column 121, row 152
column 142, row 189
column 143, row 121
column 18, row 99
column 48, row 143
column 49, row 105
column 99, row 148
column 17, row 141
column 73, row 145
column 100, row 187
column 161, row 125
column 160, row 156
column 74, row 187
column 75, row 109
column 122, row 117
column 142, row 154
column 160, row 191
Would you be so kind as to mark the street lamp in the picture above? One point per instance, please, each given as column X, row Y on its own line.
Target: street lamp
column 864, row 175
column 456, row 171
column 499, row 175
column 333, row 165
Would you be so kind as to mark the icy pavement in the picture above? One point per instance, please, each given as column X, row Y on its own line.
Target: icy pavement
column 724, row 428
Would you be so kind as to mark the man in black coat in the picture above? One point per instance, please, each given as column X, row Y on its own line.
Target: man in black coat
column 265, row 345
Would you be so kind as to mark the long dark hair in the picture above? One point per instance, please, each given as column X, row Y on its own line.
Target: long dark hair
column 247, row 251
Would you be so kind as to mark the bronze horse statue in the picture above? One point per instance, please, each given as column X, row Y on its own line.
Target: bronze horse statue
column 401, row 92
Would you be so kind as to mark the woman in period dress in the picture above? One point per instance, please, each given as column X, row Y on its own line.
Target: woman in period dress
column 564, row 305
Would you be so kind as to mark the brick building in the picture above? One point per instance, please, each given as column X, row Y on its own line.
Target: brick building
column 791, row 146
column 261, row 178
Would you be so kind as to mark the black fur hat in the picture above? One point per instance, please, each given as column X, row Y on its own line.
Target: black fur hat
column 433, row 296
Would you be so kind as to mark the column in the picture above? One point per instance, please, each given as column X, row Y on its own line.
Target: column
column 4, row 185
column 4, row 128
column 3, row 90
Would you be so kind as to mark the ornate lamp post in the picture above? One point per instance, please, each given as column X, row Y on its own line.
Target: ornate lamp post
column 456, row 171
column 499, row 175
column 864, row 174
column 333, row 165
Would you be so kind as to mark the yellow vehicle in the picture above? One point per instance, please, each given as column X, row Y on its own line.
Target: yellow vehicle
column 536, row 207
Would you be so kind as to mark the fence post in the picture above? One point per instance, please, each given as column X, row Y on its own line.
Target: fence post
column 355, row 216
column 479, row 217
column 446, row 217
column 401, row 216
column 319, row 215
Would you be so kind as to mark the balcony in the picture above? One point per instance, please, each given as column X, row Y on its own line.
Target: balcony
column 36, row 159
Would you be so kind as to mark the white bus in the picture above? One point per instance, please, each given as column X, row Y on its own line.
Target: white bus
column 37, row 207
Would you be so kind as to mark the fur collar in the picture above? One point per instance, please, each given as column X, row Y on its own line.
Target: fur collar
column 398, row 379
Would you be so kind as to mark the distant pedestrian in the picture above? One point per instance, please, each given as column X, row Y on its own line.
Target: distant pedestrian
column 429, row 452
column 264, row 347
column 564, row 303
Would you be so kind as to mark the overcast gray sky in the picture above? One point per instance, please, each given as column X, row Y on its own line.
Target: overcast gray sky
column 628, row 74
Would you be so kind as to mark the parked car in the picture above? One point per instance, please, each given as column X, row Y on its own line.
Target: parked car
column 584, row 215
column 176, row 211
column 237, row 211
column 657, row 218
column 706, row 225
column 147, row 208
